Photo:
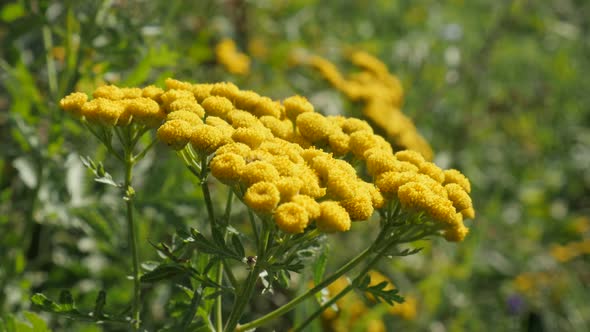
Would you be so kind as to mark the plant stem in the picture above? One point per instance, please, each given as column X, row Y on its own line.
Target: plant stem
column 206, row 193
column 129, row 162
column 291, row 304
column 247, row 290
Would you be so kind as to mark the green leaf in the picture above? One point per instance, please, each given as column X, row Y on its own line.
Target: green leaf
column 99, row 304
column 39, row 325
column 164, row 271
column 238, row 246
column 12, row 12
column 66, row 300
column 26, row 171
column 379, row 292
column 44, row 303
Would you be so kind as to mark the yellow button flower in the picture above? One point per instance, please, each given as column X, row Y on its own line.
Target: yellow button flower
column 311, row 205
column 314, row 127
column 454, row 176
column 296, row 105
column 103, row 111
column 262, row 196
column 433, row 171
column 291, row 218
column 73, row 102
column 289, row 186
column 145, row 111
column 189, row 105
column 111, row 92
column 333, row 218
column 257, row 171
column 410, row 156
column 227, row 167
column 459, row 197
column 207, row 139
column 152, row 92
column 217, row 106
column 175, row 133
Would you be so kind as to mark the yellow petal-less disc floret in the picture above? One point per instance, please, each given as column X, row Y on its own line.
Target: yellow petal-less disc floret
column 257, row 171
column 459, row 197
column 111, row 92
column 262, row 196
column 454, row 176
column 207, row 139
column 296, row 105
column 291, row 218
column 410, row 156
column 311, row 205
column 176, row 133
column 227, row 167
column 189, row 105
column 103, row 111
column 152, row 92
column 314, row 126
column 217, row 106
column 73, row 102
column 187, row 116
column 145, row 111
column 333, row 218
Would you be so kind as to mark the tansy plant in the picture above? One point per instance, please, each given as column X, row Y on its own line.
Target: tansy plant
column 301, row 175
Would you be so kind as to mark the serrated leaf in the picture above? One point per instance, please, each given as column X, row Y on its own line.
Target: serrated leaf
column 44, row 303
column 238, row 246
column 164, row 271
column 218, row 237
column 106, row 179
column 381, row 294
column 66, row 301
column 99, row 304
column 39, row 325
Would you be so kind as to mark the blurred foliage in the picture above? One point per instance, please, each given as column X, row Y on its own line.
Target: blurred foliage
column 497, row 88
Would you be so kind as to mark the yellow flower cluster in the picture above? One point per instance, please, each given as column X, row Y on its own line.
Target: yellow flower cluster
column 382, row 95
column 352, row 308
column 284, row 157
column 540, row 284
column 268, row 150
column 567, row 252
column 229, row 56
column 421, row 186
column 114, row 106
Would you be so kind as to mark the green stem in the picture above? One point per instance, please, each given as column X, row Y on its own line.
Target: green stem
column 51, row 72
column 291, row 304
column 206, row 193
column 247, row 290
column 129, row 162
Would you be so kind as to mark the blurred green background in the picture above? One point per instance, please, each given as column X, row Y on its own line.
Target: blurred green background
column 497, row 88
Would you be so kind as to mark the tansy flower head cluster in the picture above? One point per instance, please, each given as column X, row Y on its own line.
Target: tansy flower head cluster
column 114, row 106
column 268, row 151
column 234, row 61
column 286, row 161
column 382, row 95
